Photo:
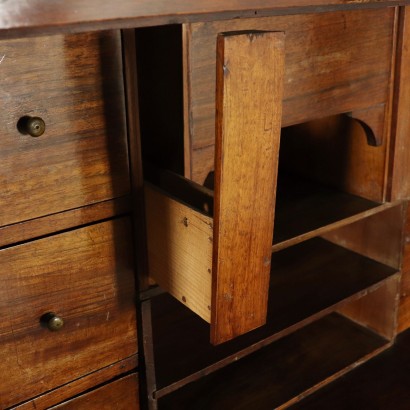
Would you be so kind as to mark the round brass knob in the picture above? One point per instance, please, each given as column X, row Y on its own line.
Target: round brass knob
column 52, row 321
column 34, row 126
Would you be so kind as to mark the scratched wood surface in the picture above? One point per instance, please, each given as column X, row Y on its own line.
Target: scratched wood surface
column 121, row 394
column 327, row 71
column 249, row 94
column 19, row 17
column 74, row 83
column 86, row 277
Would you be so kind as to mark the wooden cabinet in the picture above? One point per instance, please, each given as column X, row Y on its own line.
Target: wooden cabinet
column 242, row 165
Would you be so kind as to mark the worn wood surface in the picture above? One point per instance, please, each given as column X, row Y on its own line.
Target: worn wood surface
column 49, row 224
column 78, row 386
column 180, row 250
column 86, row 277
column 18, row 17
column 283, row 370
column 249, row 88
column 181, row 340
column 74, row 83
column 326, row 71
column 400, row 164
column 120, row 394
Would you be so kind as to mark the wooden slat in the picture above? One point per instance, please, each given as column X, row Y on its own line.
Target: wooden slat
column 248, row 104
column 284, row 370
column 180, row 250
column 120, row 394
column 20, row 17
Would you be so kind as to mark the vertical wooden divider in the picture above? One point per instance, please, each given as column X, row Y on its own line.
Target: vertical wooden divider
column 249, row 88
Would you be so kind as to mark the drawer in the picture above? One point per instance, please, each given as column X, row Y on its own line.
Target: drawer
column 121, row 394
column 74, row 84
column 84, row 277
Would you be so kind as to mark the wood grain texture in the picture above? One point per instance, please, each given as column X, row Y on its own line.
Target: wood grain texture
column 120, row 394
column 74, row 83
column 400, row 164
column 49, row 224
column 181, row 340
column 248, row 104
column 41, row 16
column 326, row 71
column 378, row 310
column 282, row 371
column 78, row 386
column 86, row 277
column 404, row 306
column 180, row 250
column 339, row 154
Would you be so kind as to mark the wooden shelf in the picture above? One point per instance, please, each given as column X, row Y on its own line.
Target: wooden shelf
column 308, row 281
column 284, row 370
column 305, row 209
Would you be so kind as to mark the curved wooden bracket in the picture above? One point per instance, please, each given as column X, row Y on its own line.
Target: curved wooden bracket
column 372, row 122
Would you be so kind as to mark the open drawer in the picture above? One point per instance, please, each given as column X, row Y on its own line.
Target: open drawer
column 216, row 258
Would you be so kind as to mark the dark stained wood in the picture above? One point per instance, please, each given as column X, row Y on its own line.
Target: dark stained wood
column 326, row 71
column 248, row 119
column 120, row 394
column 300, row 275
column 49, row 224
column 400, row 164
column 305, row 208
column 382, row 383
column 85, row 276
column 41, row 16
column 283, row 370
column 78, row 386
column 339, row 154
column 75, row 84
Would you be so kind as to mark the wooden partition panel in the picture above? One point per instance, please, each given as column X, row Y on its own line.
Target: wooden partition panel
column 249, row 83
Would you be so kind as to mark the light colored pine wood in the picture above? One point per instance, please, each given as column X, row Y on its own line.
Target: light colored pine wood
column 180, row 250
column 248, row 104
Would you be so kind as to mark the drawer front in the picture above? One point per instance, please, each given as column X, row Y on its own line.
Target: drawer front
column 74, row 84
column 334, row 63
column 85, row 277
column 120, row 395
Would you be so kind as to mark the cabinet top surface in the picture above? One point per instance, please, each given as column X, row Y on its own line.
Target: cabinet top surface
column 23, row 17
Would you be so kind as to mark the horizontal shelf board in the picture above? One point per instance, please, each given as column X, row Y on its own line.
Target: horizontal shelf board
column 305, row 209
column 308, row 281
column 283, row 370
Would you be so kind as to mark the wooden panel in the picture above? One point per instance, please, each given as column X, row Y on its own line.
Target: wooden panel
column 378, row 310
column 180, row 250
column 74, row 83
column 181, row 340
column 249, row 94
column 326, row 71
column 78, row 386
column 400, row 183
column 404, row 307
column 282, row 371
column 339, row 154
column 86, row 277
column 378, row 237
column 45, row 16
column 121, row 394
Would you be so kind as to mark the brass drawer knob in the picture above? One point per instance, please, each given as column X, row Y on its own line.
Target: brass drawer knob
column 52, row 321
column 34, row 126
